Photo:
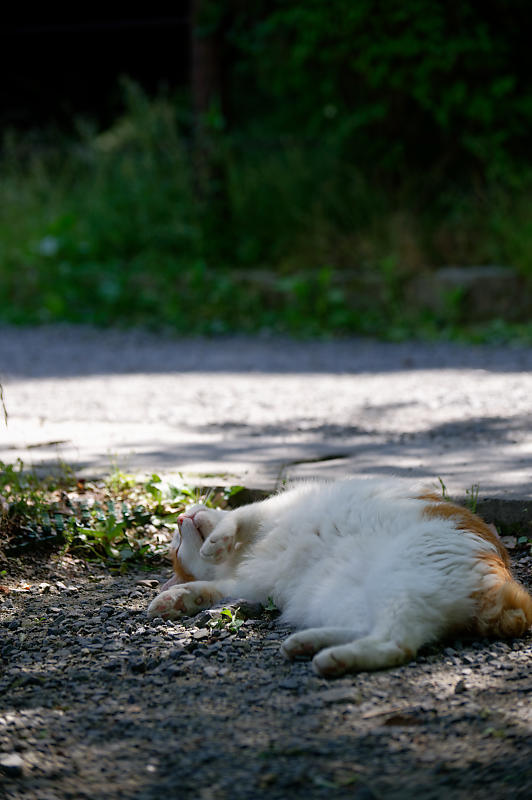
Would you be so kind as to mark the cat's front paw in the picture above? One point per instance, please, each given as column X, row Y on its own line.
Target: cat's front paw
column 221, row 543
column 183, row 600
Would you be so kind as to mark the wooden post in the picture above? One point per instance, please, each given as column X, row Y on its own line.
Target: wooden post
column 208, row 21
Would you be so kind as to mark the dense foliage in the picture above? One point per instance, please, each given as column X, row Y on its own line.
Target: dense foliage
column 351, row 144
column 396, row 86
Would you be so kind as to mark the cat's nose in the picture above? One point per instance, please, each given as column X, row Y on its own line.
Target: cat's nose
column 182, row 517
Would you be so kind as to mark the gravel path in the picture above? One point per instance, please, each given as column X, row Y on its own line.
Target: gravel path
column 98, row 702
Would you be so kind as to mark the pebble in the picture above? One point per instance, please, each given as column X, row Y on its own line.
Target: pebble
column 341, row 694
column 147, row 583
column 12, row 765
column 107, row 671
column 202, row 633
column 290, row 683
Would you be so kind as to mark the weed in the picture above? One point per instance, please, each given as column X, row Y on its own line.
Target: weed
column 229, row 618
column 118, row 520
column 235, row 621
column 107, row 536
column 119, row 481
column 270, row 605
column 444, row 492
column 472, row 497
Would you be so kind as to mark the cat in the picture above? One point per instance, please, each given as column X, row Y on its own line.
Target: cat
column 369, row 571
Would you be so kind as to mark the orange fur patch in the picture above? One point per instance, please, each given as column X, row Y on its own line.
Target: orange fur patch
column 181, row 573
column 504, row 607
column 465, row 520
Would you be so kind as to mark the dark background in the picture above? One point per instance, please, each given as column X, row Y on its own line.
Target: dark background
column 57, row 65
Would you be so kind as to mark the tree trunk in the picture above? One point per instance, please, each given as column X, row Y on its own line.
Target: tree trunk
column 206, row 87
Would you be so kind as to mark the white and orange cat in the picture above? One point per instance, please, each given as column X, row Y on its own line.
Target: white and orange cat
column 370, row 571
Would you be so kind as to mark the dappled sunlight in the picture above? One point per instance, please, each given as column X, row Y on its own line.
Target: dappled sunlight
column 95, row 695
column 257, row 426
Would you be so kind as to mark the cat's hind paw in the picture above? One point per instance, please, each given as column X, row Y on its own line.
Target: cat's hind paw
column 312, row 640
column 299, row 645
column 368, row 653
column 330, row 664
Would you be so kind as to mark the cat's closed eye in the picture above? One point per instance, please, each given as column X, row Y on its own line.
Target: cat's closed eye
column 205, row 522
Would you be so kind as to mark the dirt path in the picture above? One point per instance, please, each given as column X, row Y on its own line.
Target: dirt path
column 96, row 702
column 254, row 411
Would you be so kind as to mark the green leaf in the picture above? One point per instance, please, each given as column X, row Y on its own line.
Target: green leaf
column 231, row 491
column 270, row 605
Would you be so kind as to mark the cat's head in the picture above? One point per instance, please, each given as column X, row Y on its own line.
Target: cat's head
column 195, row 525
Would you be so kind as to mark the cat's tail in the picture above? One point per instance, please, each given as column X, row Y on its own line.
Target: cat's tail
column 504, row 606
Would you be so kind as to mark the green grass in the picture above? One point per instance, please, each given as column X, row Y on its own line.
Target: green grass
column 118, row 521
column 109, row 229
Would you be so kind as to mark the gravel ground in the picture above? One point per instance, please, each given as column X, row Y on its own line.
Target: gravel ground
column 98, row 702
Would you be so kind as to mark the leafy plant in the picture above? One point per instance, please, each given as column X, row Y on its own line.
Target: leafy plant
column 229, row 618
column 231, row 491
column 270, row 605
column 107, row 536
column 118, row 520
column 235, row 620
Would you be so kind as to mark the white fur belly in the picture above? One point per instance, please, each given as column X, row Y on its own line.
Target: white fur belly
column 314, row 579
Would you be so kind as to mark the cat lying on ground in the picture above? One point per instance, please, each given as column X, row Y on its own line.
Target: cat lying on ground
column 371, row 572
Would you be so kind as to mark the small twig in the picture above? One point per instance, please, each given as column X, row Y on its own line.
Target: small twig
column 2, row 401
column 382, row 712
